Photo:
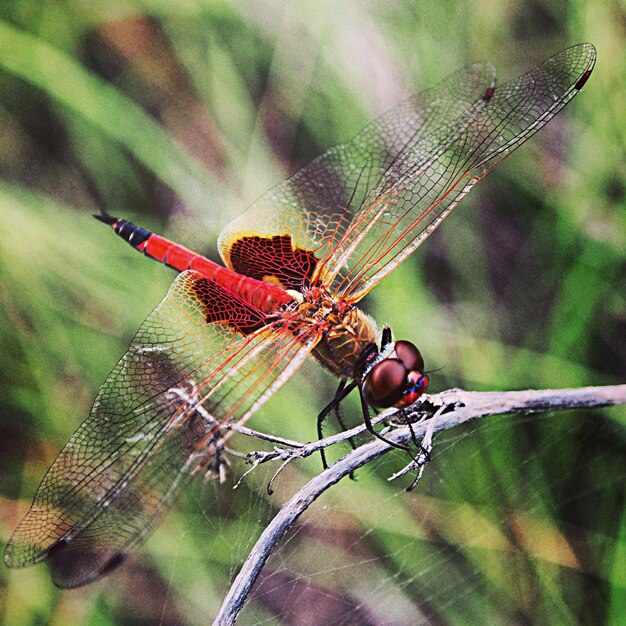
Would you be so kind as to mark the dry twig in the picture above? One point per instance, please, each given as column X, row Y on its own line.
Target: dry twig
column 453, row 407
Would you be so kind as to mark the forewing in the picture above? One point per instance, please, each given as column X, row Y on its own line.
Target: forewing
column 362, row 207
column 200, row 358
column 302, row 221
column 427, row 180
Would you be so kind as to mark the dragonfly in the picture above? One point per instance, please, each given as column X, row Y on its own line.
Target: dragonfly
column 296, row 263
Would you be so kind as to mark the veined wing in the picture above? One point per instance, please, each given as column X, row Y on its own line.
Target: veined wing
column 202, row 357
column 299, row 223
column 363, row 207
column 428, row 180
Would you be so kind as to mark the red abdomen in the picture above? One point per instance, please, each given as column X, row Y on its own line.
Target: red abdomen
column 264, row 296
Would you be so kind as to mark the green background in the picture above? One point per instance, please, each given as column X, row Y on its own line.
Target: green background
column 177, row 115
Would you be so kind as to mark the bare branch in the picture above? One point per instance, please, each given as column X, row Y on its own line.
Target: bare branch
column 319, row 444
column 458, row 407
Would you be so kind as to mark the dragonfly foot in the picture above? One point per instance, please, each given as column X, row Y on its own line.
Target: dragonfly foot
column 417, row 464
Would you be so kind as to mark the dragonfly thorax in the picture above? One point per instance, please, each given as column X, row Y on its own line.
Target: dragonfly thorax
column 391, row 376
column 346, row 333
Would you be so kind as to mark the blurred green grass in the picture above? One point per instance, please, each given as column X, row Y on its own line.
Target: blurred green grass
column 176, row 115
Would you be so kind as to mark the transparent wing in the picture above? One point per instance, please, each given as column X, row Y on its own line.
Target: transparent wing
column 307, row 216
column 200, row 358
column 360, row 209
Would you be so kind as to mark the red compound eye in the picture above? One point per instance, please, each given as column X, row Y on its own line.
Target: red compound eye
column 409, row 355
column 385, row 383
column 397, row 380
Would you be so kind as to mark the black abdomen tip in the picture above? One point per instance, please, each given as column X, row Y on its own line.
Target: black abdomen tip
column 106, row 218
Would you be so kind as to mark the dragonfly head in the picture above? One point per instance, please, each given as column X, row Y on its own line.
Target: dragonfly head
column 397, row 379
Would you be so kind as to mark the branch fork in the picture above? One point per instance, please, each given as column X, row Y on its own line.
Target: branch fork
column 453, row 407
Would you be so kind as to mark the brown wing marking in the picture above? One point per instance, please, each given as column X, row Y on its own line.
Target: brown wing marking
column 273, row 259
column 221, row 306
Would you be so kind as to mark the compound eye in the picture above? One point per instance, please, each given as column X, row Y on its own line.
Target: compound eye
column 385, row 383
column 410, row 356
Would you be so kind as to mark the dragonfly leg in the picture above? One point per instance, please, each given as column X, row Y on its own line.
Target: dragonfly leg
column 343, row 390
column 342, row 423
column 339, row 417
column 424, row 445
column 368, row 424
column 418, row 461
